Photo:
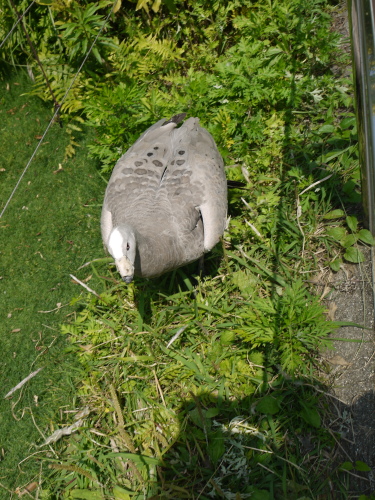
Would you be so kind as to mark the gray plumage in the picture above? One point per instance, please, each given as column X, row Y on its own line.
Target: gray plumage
column 166, row 202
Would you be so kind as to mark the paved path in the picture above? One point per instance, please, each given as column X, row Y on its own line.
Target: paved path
column 352, row 367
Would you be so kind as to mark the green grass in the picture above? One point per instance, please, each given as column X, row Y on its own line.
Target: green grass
column 206, row 413
column 49, row 229
column 233, row 408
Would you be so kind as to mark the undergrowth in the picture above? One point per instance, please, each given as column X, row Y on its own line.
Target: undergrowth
column 209, row 411
column 207, row 387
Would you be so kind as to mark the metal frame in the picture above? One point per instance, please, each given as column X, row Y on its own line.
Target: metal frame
column 362, row 27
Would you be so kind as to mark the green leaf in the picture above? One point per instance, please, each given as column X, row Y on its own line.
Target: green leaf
column 311, row 416
column 361, row 466
column 351, row 323
column 216, row 446
column 326, row 129
column 268, row 405
column 156, row 5
column 120, row 494
column 333, row 154
column 334, row 214
column 346, row 466
column 245, row 281
column 171, row 5
column 85, row 494
column 261, row 495
column 117, row 6
column 227, row 336
column 352, row 222
column 142, row 4
column 335, row 264
column 348, row 240
column 347, row 122
column 96, row 54
column 256, row 357
column 200, row 419
column 353, row 254
column 337, row 233
column 365, row 236
column 138, row 459
column 211, row 412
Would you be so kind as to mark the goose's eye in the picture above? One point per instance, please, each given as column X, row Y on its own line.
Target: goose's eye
column 127, row 246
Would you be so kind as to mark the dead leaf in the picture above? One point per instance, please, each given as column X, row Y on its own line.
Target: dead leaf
column 86, row 348
column 338, row 360
column 27, row 490
column 316, row 280
column 347, row 270
column 82, row 413
column 64, row 431
column 30, row 73
column 16, row 330
column 32, row 486
column 60, row 169
column 326, row 291
column 332, row 308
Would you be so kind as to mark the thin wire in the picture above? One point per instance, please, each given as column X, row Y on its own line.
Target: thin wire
column 35, row 54
column 19, row 20
column 56, row 112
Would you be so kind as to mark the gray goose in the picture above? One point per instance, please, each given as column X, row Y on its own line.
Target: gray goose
column 166, row 201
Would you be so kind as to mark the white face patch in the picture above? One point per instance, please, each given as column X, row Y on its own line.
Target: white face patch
column 115, row 244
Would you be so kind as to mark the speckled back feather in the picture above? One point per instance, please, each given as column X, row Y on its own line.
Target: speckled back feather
column 170, row 186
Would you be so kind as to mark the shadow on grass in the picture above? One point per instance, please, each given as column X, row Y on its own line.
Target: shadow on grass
column 218, row 437
column 242, row 432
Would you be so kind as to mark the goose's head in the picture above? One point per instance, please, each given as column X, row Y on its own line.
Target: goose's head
column 122, row 247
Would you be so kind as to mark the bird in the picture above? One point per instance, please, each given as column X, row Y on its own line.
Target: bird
column 165, row 204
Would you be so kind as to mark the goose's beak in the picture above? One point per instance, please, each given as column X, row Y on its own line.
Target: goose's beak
column 125, row 268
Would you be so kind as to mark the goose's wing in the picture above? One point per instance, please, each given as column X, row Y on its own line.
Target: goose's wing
column 136, row 178
column 195, row 178
column 169, row 177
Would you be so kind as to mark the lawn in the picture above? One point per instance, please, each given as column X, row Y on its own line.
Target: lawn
column 49, row 229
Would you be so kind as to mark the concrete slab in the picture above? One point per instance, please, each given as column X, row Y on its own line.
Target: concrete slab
column 351, row 371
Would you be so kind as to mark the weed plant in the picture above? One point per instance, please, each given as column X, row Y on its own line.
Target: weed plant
column 206, row 387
